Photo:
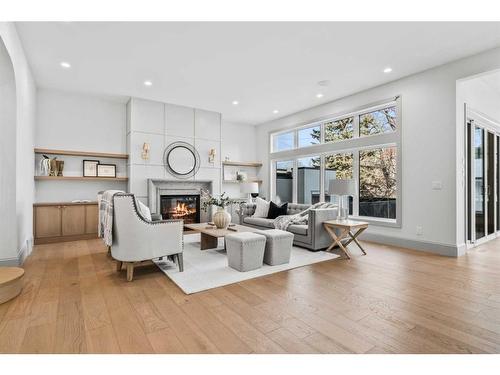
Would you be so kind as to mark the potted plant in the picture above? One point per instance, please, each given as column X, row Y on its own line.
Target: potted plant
column 221, row 217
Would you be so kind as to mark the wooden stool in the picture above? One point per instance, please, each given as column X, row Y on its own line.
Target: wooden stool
column 11, row 282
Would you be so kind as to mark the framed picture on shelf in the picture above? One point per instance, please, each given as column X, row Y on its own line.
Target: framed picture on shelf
column 90, row 168
column 106, row 170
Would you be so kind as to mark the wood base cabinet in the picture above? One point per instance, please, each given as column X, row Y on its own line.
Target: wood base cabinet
column 58, row 222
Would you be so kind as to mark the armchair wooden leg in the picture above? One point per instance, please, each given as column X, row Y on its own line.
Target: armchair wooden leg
column 180, row 261
column 130, row 271
column 119, row 266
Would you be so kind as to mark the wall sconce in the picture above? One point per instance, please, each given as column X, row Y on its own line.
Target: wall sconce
column 145, row 151
column 211, row 155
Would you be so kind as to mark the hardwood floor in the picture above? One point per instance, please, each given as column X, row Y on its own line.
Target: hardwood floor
column 390, row 301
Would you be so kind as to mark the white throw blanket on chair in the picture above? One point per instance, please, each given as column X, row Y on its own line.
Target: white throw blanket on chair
column 106, row 215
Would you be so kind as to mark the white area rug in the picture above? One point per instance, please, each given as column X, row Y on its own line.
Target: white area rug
column 208, row 269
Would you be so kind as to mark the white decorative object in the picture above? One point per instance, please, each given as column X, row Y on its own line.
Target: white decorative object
column 145, row 151
column 241, row 176
column 181, row 159
column 221, row 218
column 344, row 189
column 44, row 166
column 261, row 208
column 211, row 155
column 249, row 188
column 90, row 168
column 106, row 170
column 144, row 210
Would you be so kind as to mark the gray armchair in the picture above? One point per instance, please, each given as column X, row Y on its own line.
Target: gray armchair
column 312, row 236
column 136, row 239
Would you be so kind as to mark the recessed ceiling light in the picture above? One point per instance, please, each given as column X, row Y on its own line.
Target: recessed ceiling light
column 320, row 95
column 387, row 70
column 235, row 102
column 65, row 64
column 148, row 83
column 275, row 111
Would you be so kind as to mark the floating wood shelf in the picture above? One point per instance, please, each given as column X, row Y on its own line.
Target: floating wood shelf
column 80, row 153
column 242, row 164
column 77, row 178
column 45, row 204
column 236, row 181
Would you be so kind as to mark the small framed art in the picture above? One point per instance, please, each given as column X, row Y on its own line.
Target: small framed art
column 90, row 168
column 106, row 170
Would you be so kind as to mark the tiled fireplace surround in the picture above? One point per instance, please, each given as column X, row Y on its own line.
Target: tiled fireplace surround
column 159, row 187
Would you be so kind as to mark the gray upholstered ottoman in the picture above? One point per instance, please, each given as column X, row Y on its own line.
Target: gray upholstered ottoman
column 278, row 246
column 245, row 250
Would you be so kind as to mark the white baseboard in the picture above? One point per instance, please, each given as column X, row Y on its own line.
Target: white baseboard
column 9, row 262
column 22, row 254
column 427, row 246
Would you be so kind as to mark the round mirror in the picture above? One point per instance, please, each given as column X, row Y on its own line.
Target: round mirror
column 181, row 159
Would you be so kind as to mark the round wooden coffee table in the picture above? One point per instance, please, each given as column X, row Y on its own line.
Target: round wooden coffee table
column 11, row 282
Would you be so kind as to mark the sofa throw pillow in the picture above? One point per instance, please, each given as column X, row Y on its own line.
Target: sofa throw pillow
column 261, row 208
column 144, row 210
column 275, row 210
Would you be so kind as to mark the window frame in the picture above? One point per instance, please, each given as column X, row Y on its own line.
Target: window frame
column 353, row 145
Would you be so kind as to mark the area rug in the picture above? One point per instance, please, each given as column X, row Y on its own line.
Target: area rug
column 208, row 269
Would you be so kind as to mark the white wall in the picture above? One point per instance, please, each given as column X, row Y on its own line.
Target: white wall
column 430, row 150
column 160, row 124
column 77, row 121
column 8, row 227
column 480, row 96
column 238, row 144
column 25, row 124
column 72, row 121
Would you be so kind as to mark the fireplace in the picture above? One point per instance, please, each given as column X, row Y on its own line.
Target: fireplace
column 158, row 188
column 184, row 207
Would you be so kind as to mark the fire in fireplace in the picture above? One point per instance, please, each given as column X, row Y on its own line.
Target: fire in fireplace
column 184, row 207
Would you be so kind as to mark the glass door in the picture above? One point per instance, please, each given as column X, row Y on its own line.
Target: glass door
column 490, row 182
column 482, row 180
column 479, row 184
column 497, row 179
column 483, row 184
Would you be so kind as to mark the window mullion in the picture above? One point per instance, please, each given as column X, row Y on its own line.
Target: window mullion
column 322, row 178
column 355, row 176
column 295, row 176
column 355, row 126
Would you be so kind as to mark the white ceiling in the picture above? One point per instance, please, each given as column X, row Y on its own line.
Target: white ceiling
column 265, row 66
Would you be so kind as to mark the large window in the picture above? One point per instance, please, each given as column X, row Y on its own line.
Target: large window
column 377, row 122
column 284, row 180
column 285, row 141
column 309, row 136
column 339, row 129
column 363, row 145
column 308, row 179
column 338, row 167
column 377, row 183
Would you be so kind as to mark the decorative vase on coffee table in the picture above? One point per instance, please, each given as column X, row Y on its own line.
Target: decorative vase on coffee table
column 221, row 218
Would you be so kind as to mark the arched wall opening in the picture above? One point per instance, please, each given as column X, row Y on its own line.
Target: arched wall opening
column 8, row 223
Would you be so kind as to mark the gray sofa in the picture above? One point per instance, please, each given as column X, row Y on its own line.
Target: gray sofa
column 312, row 236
